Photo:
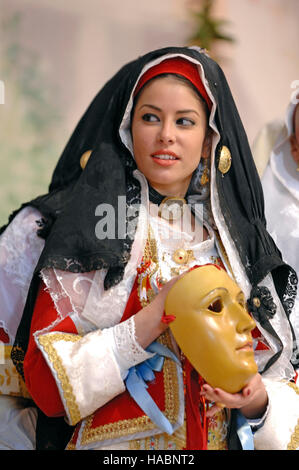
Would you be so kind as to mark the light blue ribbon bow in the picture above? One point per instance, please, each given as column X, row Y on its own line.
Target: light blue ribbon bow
column 244, row 432
column 144, row 372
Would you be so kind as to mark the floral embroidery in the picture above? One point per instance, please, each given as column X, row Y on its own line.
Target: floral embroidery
column 290, row 292
column 261, row 304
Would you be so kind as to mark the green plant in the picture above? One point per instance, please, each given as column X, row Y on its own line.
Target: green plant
column 208, row 29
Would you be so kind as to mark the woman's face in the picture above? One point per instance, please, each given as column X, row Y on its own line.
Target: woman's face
column 168, row 131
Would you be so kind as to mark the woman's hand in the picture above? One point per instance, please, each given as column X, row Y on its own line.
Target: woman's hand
column 148, row 324
column 252, row 400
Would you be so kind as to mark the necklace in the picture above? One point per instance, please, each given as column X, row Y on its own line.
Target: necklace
column 172, row 208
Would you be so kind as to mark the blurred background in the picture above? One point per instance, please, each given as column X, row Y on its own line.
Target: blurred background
column 55, row 55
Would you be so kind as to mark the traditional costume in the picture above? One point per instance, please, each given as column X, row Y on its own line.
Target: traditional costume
column 74, row 342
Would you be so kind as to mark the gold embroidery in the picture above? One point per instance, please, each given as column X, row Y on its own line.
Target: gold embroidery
column 217, row 431
column 176, row 441
column 294, row 387
column 121, row 428
column 128, row 427
column 11, row 383
column 46, row 342
column 294, row 442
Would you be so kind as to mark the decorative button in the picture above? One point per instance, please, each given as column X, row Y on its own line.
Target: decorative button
column 84, row 159
column 182, row 256
column 225, row 160
column 256, row 302
column 261, row 304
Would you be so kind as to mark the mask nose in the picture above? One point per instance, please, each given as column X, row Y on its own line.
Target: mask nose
column 245, row 323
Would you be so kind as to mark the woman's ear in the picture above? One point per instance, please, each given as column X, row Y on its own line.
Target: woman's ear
column 207, row 144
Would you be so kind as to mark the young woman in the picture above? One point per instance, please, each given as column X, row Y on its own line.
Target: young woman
column 156, row 179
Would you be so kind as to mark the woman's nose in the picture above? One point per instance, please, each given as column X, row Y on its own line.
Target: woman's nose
column 167, row 134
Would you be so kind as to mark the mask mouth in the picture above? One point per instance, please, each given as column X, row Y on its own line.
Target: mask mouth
column 247, row 346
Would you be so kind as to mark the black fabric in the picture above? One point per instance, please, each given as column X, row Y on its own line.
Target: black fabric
column 52, row 433
column 233, row 441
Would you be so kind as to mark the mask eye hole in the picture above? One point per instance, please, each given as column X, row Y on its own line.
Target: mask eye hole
column 216, row 306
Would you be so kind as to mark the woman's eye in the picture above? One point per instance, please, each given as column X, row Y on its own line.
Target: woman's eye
column 216, row 306
column 148, row 117
column 185, row 122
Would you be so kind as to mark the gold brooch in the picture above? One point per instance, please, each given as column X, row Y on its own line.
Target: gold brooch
column 182, row 256
column 225, row 160
column 84, row 158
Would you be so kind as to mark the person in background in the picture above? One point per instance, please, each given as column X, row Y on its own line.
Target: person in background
column 276, row 154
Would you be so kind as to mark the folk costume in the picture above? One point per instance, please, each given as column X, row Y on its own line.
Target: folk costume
column 74, row 342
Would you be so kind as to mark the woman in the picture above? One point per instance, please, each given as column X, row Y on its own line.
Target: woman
column 96, row 299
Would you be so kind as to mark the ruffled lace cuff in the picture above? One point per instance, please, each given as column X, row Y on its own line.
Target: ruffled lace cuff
column 126, row 349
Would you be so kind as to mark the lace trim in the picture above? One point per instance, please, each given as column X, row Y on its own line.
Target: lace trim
column 128, row 350
column 289, row 296
column 20, row 248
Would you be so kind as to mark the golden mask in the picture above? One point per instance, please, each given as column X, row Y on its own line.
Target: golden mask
column 212, row 327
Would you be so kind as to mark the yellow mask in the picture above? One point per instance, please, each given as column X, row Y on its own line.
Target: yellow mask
column 212, row 327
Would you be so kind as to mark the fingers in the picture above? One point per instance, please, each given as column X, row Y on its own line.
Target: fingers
column 229, row 400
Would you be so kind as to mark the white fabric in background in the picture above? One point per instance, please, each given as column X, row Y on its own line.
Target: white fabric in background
column 17, row 424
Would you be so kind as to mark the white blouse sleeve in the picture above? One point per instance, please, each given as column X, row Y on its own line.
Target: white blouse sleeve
column 20, row 249
column 280, row 430
column 90, row 370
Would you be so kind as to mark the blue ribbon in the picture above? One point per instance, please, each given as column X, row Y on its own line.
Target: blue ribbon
column 244, row 432
column 144, row 372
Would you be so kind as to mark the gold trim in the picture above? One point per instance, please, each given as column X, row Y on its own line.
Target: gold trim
column 294, row 442
column 9, row 376
column 46, row 342
column 132, row 426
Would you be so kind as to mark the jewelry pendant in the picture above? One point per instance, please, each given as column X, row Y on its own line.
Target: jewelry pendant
column 172, row 208
column 182, row 256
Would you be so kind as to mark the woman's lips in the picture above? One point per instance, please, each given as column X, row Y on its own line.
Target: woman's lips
column 164, row 158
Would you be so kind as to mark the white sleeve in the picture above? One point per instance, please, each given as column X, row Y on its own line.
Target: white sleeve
column 20, row 249
column 89, row 370
column 280, row 430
